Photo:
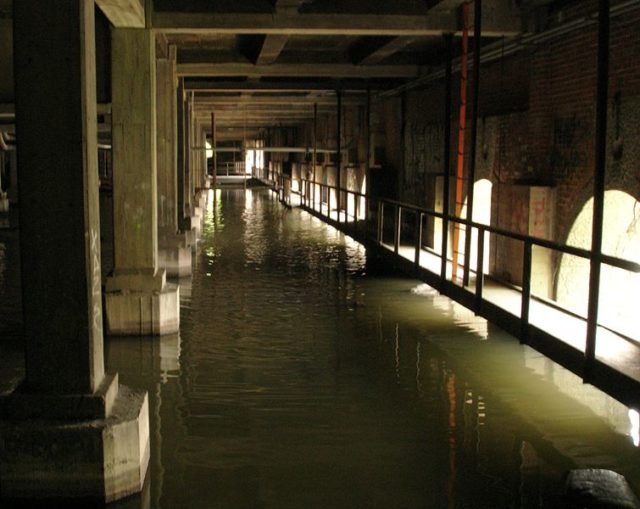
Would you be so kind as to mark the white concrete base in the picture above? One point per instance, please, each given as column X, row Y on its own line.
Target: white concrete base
column 138, row 313
column 4, row 202
column 173, row 240
column 191, row 237
column 176, row 261
column 202, row 199
column 101, row 459
column 196, row 222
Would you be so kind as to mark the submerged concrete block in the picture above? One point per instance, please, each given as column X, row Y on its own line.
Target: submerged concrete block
column 599, row 488
column 176, row 261
column 103, row 459
column 132, row 313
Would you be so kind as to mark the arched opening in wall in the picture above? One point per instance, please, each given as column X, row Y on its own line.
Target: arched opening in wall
column 481, row 214
column 619, row 289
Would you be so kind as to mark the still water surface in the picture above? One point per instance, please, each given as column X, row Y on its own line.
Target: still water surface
column 307, row 376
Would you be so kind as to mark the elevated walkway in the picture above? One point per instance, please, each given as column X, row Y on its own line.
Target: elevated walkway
column 557, row 333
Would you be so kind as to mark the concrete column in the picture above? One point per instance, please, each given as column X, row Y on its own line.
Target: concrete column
column 68, row 430
column 167, row 147
column 174, row 253
column 195, row 216
column 138, row 298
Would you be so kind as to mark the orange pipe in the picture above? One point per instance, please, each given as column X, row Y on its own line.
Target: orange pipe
column 464, row 72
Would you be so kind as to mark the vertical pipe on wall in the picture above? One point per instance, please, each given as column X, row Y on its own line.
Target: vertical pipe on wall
column 367, row 169
column 448, row 40
column 598, row 183
column 339, row 151
column 477, row 32
column 315, row 153
column 464, row 69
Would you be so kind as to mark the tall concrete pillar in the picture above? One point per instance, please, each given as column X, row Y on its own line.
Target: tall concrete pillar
column 167, row 146
column 138, row 298
column 189, row 226
column 68, row 430
column 174, row 253
column 194, row 211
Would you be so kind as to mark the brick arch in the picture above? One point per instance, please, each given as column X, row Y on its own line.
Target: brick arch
column 621, row 237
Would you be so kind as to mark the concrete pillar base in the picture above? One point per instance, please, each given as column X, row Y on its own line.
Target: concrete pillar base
column 176, row 261
column 202, row 199
column 4, row 202
column 141, row 304
column 102, row 459
column 191, row 237
column 143, row 313
column 195, row 221
column 173, row 240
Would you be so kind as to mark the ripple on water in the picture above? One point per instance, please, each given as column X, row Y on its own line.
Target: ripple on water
column 306, row 378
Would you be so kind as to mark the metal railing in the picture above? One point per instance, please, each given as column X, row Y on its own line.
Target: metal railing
column 372, row 224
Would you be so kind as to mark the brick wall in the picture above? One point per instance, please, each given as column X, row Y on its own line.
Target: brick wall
column 537, row 125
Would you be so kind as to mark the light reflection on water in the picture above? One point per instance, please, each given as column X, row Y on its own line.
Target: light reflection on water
column 307, row 376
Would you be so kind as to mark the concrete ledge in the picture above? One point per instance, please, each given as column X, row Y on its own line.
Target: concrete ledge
column 176, row 261
column 143, row 313
column 101, row 460
column 21, row 404
column 598, row 488
column 137, row 280
column 173, row 240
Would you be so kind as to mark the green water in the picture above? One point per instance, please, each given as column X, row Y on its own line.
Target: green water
column 307, row 376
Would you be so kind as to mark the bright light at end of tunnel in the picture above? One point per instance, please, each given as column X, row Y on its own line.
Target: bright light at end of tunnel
column 634, row 432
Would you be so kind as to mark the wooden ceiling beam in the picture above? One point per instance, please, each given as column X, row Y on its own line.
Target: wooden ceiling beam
column 377, row 55
column 500, row 20
column 123, row 13
column 301, row 70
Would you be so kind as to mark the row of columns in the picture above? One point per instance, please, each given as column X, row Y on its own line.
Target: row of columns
column 69, row 429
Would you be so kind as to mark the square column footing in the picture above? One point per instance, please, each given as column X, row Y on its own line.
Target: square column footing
column 176, row 261
column 131, row 313
column 98, row 460
column 196, row 221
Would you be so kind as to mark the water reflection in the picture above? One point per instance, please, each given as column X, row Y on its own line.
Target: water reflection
column 307, row 375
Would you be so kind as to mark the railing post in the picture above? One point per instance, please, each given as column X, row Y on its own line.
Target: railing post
column 397, row 220
column 480, row 270
column 446, row 157
column 526, row 292
column 380, row 221
column 418, row 236
column 328, row 202
column 598, row 187
column 477, row 33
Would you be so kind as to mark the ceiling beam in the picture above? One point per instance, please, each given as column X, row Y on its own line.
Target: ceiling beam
column 252, row 86
column 304, row 24
column 384, row 50
column 123, row 13
column 435, row 23
column 273, row 44
column 262, row 103
column 302, row 70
